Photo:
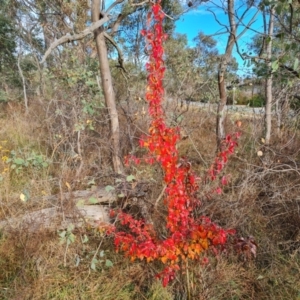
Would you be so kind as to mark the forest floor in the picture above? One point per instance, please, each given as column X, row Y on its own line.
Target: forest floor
column 262, row 200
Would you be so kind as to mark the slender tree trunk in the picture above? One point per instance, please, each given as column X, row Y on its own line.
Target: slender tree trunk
column 107, row 86
column 221, row 113
column 232, row 39
column 269, row 81
column 24, row 84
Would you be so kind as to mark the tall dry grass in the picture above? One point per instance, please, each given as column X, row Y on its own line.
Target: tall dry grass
column 262, row 200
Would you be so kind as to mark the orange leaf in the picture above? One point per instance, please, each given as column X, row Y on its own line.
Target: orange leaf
column 164, row 259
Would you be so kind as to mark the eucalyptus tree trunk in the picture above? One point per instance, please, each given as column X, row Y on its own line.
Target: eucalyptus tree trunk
column 107, row 86
column 225, row 60
column 24, row 83
column 221, row 113
column 269, row 80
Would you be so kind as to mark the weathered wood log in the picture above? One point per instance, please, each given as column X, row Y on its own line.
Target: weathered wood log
column 77, row 208
column 56, row 219
column 99, row 194
column 87, row 197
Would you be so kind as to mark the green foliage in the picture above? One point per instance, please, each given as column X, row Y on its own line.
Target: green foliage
column 3, row 96
column 257, row 100
column 76, row 74
column 172, row 8
column 8, row 67
column 100, row 261
column 7, row 43
column 67, row 236
column 19, row 161
column 182, row 75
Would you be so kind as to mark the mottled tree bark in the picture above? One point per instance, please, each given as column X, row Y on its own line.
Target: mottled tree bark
column 269, row 81
column 232, row 40
column 221, row 113
column 107, row 86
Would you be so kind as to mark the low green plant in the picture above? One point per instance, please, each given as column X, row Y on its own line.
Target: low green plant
column 19, row 161
column 257, row 101
column 3, row 96
column 100, row 261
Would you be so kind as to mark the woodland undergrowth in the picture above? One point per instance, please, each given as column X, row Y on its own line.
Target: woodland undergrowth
column 184, row 243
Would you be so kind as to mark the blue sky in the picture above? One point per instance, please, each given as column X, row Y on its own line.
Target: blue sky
column 201, row 19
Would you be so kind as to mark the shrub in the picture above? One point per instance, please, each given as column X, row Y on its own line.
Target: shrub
column 187, row 235
column 257, row 101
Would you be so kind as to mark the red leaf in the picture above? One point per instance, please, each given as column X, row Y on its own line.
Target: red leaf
column 224, row 180
column 219, row 191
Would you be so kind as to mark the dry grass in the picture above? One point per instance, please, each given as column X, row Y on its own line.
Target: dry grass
column 33, row 269
column 262, row 200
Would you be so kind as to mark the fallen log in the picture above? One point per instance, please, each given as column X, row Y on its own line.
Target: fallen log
column 74, row 207
column 54, row 218
column 95, row 195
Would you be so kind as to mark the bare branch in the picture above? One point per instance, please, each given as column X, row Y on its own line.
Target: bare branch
column 217, row 20
column 120, row 55
column 113, row 5
column 75, row 37
column 117, row 23
column 249, row 24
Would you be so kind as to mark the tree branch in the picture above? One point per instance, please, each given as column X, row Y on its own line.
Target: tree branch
column 113, row 5
column 120, row 55
column 75, row 37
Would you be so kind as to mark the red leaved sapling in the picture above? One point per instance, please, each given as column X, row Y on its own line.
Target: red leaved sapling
column 187, row 236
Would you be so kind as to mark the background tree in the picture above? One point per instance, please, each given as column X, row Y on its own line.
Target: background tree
column 269, row 79
column 236, row 18
column 107, row 85
column 275, row 58
column 8, row 54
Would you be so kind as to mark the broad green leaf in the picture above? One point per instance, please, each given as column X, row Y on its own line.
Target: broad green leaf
column 93, row 264
column 71, row 239
column 101, row 253
column 296, row 64
column 62, row 234
column 85, row 239
column 93, row 200
column 71, row 227
column 109, row 188
column 19, row 161
column 108, row 263
column 275, row 65
column 130, row 178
